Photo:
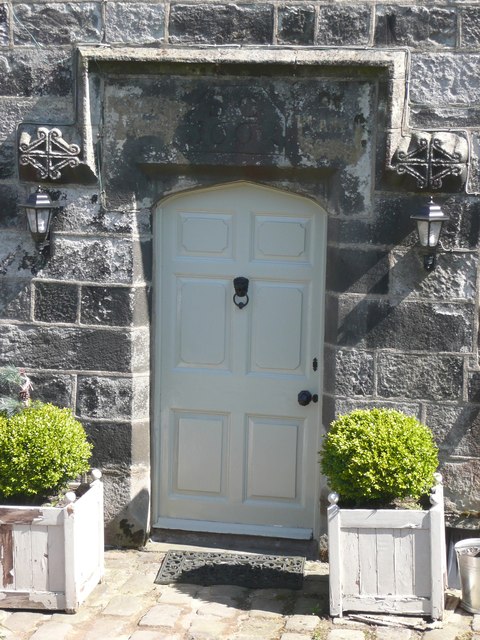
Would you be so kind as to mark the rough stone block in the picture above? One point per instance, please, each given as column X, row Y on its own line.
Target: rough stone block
column 57, row 23
column 453, row 277
column 456, row 428
column 9, row 214
column 444, row 117
column 348, row 373
column 357, row 270
column 473, row 386
column 23, row 621
column 343, row 24
column 162, row 615
column 405, row 325
column 84, row 214
column 4, row 38
column 7, row 160
column 134, row 22
column 296, row 24
column 413, row 26
column 333, row 407
column 55, row 302
column 470, row 33
column 99, row 260
column 125, row 606
column 113, row 398
column 221, row 23
column 112, row 443
column 142, row 267
column 16, row 254
column 119, row 444
column 44, row 109
column 42, row 347
column 114, row 306
column 443, row 79
column 53, row 630
column 127, row 501
column 302, row 624
column 14, row 299
column 35, row 72
column 462, row 231
column 462, row 483
column 390, row 225
column 54, row 388
column 426, row 377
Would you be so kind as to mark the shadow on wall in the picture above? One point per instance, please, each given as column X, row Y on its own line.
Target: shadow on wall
column 397, row 319
column 128, row 527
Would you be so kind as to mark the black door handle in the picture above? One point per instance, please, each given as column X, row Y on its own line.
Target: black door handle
column 305, row 397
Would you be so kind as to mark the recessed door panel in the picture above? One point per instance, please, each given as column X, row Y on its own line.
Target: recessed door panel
column 203, row 328
column 278, row 328
column 199, row 453
column 204, row 235
column 235, row 448
column 282, row 238
column 274, row 454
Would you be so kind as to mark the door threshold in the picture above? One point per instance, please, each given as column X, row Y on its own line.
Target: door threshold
column 245, row 543
column 207, row 526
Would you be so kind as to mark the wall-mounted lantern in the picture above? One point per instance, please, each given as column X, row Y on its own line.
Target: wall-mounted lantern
column 38, row 208
column 429, row 225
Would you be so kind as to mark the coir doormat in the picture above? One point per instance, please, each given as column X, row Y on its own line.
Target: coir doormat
column 244, row 570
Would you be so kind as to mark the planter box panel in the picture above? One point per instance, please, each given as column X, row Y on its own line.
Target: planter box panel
column 387, row 561
column 88, row 544
column 387, row 605
column 30, row 515
column 51, row 557
column 385, row 519
column 30, row 543
column 422, row 559
column 379, row 561
column 32, row 600
column 56, row 560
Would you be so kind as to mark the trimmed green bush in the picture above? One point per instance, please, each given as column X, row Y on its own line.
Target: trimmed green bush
column 379, row 455
column 42, row 448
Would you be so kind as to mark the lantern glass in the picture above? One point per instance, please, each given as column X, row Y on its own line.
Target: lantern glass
column 38, row 209
column 429, row 232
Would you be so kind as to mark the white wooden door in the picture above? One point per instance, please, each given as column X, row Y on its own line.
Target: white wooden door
column 236, row 452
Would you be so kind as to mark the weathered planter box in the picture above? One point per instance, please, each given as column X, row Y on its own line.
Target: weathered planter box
column 52, row 557
column 387, row 561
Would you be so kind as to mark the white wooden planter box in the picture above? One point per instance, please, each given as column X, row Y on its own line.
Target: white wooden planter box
column 387, row 561
column 52, row 557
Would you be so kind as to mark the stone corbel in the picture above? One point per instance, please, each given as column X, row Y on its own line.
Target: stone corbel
column 433, row 160
column 45, row 155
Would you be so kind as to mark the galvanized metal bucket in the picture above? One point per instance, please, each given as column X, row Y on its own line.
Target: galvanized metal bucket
column 468, row 558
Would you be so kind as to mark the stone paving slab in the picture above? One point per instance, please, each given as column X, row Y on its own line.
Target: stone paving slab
column 129, row 606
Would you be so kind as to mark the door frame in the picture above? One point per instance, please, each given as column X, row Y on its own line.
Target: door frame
column 157, row 335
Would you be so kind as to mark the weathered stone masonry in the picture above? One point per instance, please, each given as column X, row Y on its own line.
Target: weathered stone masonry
column 116, row 79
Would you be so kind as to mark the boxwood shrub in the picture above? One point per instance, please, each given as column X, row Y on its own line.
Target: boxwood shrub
column 42, row 448
column 378, row 455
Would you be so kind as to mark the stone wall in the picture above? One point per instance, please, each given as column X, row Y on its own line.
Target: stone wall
column 395, row 334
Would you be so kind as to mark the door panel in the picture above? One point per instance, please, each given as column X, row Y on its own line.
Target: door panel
column 203, row 322
column 235, row 449
column 277, row 328
column 274, row 459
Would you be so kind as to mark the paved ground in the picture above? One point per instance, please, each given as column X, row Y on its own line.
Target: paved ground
column 129, row 606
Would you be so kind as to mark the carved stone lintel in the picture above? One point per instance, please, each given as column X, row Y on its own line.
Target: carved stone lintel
column 48, row 153
column 430, row 158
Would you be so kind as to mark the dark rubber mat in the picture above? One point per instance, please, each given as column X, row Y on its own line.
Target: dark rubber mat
column 244, row 570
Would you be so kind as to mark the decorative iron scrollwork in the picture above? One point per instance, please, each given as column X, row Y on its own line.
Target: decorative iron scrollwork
column 430, row 158
column 48, row 153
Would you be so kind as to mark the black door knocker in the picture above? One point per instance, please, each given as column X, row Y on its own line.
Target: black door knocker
column 240, row 285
